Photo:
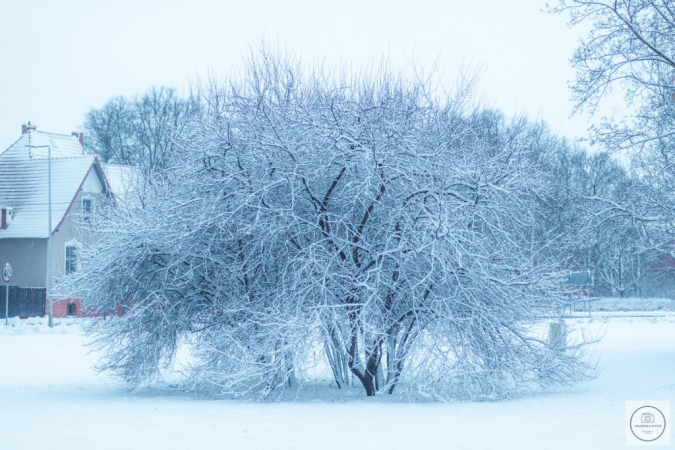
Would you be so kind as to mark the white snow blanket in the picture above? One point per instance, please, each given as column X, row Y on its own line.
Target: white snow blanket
column 50, row 398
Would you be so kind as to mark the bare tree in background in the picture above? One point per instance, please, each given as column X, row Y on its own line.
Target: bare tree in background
column 631, row 42
column 139, row 131
column 630, row 46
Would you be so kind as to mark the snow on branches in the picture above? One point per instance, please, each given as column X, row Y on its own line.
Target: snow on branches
column 366, row 215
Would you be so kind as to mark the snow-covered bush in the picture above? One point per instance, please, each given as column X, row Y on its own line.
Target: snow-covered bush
column 397, row 226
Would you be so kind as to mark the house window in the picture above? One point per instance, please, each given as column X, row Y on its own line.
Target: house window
column 71, row 310
column 72, row 259
column 87, row 208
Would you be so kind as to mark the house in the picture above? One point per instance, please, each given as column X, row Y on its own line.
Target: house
column 78, row 184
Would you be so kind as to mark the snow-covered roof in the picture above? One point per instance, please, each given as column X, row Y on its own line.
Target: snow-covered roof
column 62, row 145
column 121, row 179
column 24, row 181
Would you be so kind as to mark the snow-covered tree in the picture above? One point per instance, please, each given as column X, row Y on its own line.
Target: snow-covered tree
column 398, row 228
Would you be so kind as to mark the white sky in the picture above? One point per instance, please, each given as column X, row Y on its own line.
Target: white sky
column 60, row 58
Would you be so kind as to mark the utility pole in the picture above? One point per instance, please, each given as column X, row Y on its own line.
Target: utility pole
column 49, row 230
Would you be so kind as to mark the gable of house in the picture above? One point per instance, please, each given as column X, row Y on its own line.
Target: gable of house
column 24, row 182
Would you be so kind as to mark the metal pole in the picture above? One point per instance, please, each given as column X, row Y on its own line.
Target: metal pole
column 6, row 304
column 49, row 230
column 49, row 237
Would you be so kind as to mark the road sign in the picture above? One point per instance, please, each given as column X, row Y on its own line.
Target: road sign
column 6, row 276
column 7, row 273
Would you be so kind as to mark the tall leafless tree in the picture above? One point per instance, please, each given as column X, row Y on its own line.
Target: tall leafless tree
column 139, row 131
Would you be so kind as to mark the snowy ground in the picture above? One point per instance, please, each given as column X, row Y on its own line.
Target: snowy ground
column 51, row 399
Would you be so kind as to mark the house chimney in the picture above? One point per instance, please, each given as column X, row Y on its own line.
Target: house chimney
column 80, row 136
column 28, row 127
column 6, row 214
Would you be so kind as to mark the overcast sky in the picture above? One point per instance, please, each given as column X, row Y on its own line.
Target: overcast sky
column 60, row 58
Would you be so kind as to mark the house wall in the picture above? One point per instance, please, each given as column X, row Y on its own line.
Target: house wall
column 28, row 260
column 69, row 232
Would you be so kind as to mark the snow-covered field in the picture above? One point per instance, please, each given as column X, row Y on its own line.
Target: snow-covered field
column 50, row 398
